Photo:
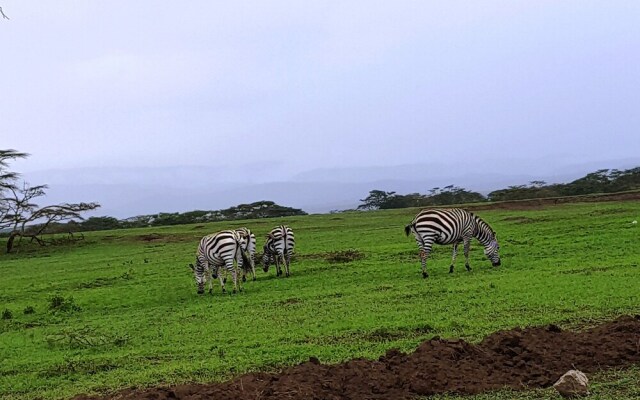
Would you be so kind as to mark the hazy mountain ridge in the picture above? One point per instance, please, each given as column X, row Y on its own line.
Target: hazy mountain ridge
column 126, row 192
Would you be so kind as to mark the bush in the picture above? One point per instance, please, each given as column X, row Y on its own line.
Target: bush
column 7, row 314
column 60, row 303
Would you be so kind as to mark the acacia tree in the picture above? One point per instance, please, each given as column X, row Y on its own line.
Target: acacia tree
column 375, row 200
column 7, row 178
column 21, row 215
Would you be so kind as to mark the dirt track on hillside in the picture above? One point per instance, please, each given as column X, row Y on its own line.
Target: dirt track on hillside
column 519, row 358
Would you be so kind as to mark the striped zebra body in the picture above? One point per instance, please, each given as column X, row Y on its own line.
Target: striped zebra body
column 279, row 247
column 245, row 268
column 452, row 226
column 217, row 250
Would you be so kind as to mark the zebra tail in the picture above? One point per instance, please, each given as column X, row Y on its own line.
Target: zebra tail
column 246, row 261
column 407, row 229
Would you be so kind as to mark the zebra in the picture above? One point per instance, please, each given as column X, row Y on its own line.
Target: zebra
column 452, row 226
column 250, row 248
column 216, row 250
column 279, row 246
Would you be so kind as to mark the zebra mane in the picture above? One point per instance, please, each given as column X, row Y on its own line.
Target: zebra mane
column 483, row 226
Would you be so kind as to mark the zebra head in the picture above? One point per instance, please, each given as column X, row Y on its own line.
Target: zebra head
column 491, row 250
column 199, row 274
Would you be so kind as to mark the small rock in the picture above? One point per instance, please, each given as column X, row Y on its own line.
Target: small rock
column 573, row 383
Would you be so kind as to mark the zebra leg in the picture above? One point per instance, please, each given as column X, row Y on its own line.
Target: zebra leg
column 241, row 269
column 209, row 271
column 235, row 280
column 253, row 271
column 467, row 245
column 453, row 257
column 223, row 280
column 211, row 278
column 423, row 260
column 278, row 270
column 287, row 260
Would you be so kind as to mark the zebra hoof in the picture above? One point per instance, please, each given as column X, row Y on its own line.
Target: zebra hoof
column 425, row 275
column 254, row 278
column 468, row 268
column 234, row 291
column 201, row 291
column 451, row 269
column 210, row 291
column 224, row 280
column 244, row 279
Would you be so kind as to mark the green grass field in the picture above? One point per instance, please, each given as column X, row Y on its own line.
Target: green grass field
column 127, row 314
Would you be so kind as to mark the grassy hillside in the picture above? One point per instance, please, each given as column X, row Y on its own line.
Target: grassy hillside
column 125, row 310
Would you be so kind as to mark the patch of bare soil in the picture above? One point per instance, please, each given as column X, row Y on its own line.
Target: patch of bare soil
column 168, row 238
column 149, row 237
column 518, row 358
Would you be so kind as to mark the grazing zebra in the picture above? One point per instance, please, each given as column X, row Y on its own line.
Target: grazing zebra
column 279, row 246
column 249, row 247
column 216, row 250
column 452, row 226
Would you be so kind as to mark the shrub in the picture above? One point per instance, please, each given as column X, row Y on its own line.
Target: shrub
column 60, row 303
column 7, row 314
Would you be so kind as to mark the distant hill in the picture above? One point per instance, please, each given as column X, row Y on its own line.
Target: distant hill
column 125, row 192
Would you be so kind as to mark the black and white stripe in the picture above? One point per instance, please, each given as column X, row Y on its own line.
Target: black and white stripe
column 217, row 250
column 250, row 248
column 279, row 247
column 452, row 226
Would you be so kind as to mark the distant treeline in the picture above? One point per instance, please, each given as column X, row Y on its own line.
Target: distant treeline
column 601, row 181
column 260, row 209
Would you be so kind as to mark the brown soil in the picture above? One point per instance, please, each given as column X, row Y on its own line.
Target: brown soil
column 519, row 359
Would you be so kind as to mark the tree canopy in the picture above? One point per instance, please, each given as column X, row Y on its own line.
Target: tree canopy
column 379, row 199
column 600, row 181
column 19, row 212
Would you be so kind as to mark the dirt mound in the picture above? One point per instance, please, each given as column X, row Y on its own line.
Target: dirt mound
column 519, row 358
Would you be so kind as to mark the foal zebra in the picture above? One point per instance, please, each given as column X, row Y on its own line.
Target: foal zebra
column 279, row 246
column 216, row 250
column 452, row 226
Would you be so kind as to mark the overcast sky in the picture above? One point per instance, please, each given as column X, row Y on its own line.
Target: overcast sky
column 318, row 83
